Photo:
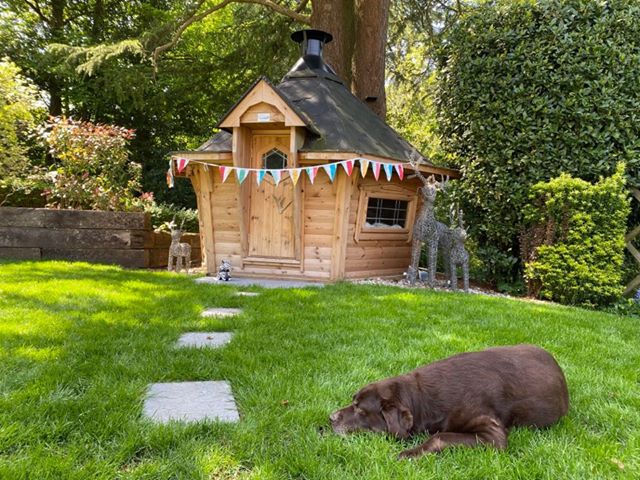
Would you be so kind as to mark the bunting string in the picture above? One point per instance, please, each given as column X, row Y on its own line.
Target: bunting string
column 330, row 169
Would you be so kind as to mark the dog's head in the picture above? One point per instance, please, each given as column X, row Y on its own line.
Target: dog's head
column 374, row 408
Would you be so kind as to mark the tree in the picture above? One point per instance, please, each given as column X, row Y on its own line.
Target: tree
column 19, row 110
column 359, row 28
column 530, row 90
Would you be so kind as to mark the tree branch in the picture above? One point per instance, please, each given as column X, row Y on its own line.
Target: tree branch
column 293, row 14
column 36, row 8
column 301, row 6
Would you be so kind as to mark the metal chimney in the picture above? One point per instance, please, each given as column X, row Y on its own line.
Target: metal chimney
column 312, row 43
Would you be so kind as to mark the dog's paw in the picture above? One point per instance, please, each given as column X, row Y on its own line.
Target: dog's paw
column 410, row 454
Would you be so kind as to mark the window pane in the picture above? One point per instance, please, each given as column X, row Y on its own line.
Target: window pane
column 386, row 213
column 274, row 159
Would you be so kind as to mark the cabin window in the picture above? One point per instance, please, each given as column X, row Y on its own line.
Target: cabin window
column 386, row 213
column 274, row 160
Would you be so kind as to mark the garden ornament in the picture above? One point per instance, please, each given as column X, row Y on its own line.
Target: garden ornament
column 426, row 228
column 224, row 271
column 180, row 252
column 458, row 254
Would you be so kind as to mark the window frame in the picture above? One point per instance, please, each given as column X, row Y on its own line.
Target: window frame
column 387, row 192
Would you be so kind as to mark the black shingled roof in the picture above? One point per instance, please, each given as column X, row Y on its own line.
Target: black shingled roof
column 337, row 120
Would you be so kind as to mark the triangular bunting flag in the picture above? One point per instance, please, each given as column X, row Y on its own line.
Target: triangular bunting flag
column 348, row 167
column 388, row 169
column 400, row 170
column 206, row 167
column 364, row 166
column 331, row 170
column 312, row 172
column 182, row 164
column 224, row 172
column 295, row 175
column 375, row 166
column 241, row 174
column 260, row 175
column 277, row 175
column 170, row 182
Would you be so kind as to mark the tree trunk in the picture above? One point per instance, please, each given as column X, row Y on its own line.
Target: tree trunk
column 357, row 52
column 56, row 32
column 368, row 77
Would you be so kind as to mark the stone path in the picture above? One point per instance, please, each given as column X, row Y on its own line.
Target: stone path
column 190, row 402
column 221, row 312
column 204, row 339
column 247, row 294
column 260, row 282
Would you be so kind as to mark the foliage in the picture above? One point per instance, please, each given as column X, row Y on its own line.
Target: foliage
column 19, row 111
column 528, row 90
column 574, row 245
column 162, row 213
column 81, row 343
column 93, row 170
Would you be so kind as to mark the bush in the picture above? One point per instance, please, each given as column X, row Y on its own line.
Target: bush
column 528, row 90
column 93, row 170
column 162, row 214
column 574, row 244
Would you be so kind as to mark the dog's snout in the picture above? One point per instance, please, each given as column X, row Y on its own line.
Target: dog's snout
column 335, row 416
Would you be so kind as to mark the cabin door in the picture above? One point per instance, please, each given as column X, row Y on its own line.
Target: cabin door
column 271, row 232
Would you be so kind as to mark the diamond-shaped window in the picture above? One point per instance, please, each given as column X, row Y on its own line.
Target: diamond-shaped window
column 274, row 159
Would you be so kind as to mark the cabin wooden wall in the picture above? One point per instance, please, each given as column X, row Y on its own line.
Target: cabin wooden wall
column 375, row 258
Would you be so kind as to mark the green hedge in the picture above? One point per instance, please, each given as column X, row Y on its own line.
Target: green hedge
column 528, row 90
column 575, row 239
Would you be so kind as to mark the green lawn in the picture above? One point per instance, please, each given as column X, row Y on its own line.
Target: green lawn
column 79, row 344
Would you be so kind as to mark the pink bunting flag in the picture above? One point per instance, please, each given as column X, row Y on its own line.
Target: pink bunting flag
column 182, row 164
column 375, row 166
column 312, row 172
column 348, row 166
column 399, row 170
column 364, row 166
column 224, row 172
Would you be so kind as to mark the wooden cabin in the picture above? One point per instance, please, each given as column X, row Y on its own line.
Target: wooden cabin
column 351, row 226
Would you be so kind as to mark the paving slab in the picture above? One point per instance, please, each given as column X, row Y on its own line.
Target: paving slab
column 260, row 282
column 204, row 339
column 221, row 312
column 190, row 402
column 247, row 294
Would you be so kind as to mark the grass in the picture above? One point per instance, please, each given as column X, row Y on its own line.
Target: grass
column 79, row 344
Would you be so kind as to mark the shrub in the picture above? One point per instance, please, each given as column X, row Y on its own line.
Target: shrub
column 161, row 214
column 92, row 168
column 574, row 244
column 528, row 90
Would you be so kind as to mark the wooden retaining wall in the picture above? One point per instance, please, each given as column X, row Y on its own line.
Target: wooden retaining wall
column 121, row 238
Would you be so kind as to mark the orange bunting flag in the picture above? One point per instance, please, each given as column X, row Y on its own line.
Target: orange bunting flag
column 364, row 166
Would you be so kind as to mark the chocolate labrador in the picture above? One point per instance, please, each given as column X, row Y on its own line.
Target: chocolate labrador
column 468, row 399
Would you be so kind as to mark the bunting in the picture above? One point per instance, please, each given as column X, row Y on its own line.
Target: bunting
column 241, row 174
column 311, row 173
column 364, row 166
column 181, row 163
column 331, row 170
column 388, row 170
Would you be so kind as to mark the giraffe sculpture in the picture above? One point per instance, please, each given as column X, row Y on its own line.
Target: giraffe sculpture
column 180, row 252
column 458, row 254
column 427, row 229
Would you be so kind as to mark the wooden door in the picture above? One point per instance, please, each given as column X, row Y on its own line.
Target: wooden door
column 271, row 226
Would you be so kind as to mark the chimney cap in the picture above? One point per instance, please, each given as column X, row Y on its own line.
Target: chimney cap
column 302, row 35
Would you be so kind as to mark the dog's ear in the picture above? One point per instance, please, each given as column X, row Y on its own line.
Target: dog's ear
column 398, row 418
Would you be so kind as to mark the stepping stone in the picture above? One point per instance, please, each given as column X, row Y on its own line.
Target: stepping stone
column 221, row 312
column 204, row 339
column 247, row 294
column 190, row 402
